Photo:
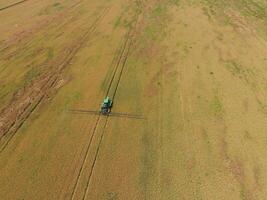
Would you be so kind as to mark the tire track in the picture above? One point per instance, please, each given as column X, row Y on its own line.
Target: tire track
column 117, row 64
column 12, row 5
column 16, row 125
column 121, row 72
column 84, row 159
column 123, row 59
column 95, row 158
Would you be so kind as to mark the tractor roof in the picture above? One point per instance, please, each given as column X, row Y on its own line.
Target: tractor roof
column 106, row 100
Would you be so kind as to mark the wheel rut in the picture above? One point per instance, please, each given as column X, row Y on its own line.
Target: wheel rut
column 120, row 63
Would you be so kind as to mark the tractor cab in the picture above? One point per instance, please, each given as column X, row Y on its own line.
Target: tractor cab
column 106, row 106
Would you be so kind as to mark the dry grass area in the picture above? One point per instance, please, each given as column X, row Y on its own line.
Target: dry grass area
column 195, row 70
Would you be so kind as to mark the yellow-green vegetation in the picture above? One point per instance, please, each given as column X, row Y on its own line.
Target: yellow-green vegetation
column 194, row 70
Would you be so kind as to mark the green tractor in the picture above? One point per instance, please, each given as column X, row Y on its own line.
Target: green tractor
column 106, row 106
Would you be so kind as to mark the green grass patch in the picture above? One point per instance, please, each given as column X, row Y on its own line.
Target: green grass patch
column 246, row 74
column 31, row 75
column 50, row 53
column 175, row 2
column 234, row 67
column 55, row 7
column 155, row 30
column 127, row 17
column 111, row 196
column 216, row 105
column 253, row 9
column 158, row 11
column 117, row 22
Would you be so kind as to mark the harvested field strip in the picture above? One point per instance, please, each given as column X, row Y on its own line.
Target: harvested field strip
column 121, row 61
column 22, row 113
column 12, row 5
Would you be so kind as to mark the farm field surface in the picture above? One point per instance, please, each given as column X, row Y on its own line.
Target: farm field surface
column 189, row 78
